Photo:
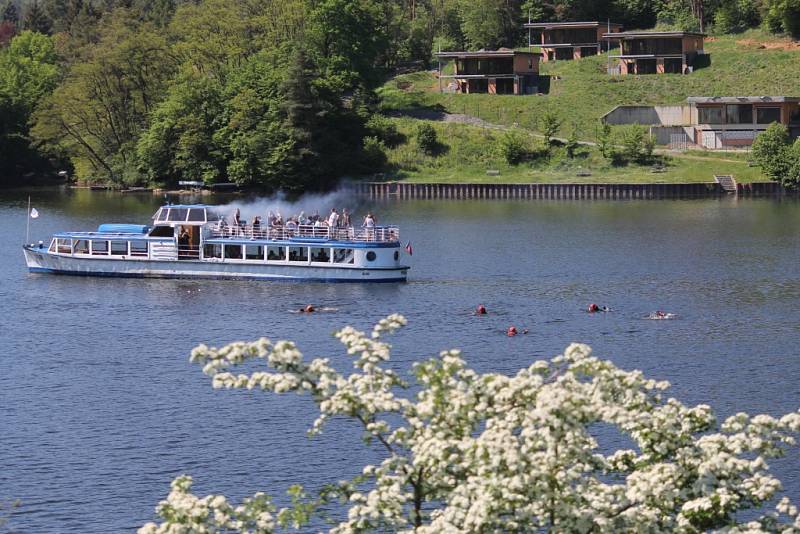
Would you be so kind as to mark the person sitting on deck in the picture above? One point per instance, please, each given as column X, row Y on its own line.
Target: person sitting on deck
column 256, row 227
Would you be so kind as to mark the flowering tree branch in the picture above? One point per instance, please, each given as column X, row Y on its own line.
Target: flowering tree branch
column 489, row 452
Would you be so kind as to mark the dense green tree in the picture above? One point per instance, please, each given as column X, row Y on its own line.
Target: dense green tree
column 490, row 23
column 549, row 124
column 179, row 143
column 36, row 19
column 97, row 113
column 11, row 13
column 784, row 16
column 28, row 72
column 346, row 43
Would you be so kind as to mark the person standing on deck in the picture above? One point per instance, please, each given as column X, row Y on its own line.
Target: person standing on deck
column 345, row 219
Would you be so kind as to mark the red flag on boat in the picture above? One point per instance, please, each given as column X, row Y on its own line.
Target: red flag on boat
column 409, row 249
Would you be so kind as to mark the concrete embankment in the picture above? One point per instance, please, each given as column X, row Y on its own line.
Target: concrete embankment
column 423, row 191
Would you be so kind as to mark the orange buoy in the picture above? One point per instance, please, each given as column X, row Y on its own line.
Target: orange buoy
column 593, row 308
column 481, row 310
column 309, row 309
column 512, row 331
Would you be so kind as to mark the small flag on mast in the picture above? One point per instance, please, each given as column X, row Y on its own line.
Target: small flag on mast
column 409, row 249
column 34, row 213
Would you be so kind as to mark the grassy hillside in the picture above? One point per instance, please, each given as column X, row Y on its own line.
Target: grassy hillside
column 751, row 63
column 467, row 152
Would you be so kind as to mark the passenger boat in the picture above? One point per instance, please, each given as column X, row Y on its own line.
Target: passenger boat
column 194, row 241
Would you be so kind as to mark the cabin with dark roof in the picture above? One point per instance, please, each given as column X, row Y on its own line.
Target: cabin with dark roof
column 502, row 72
column 569, row 40
column 653, row 52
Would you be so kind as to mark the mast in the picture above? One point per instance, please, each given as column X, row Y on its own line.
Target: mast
column 28, row 222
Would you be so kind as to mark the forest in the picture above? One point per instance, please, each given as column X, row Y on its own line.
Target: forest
column 269, row 94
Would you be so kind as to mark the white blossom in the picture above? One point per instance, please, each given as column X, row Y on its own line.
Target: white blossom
column 489, row 452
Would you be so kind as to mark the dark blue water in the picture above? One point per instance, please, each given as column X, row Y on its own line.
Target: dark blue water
column 100, row 408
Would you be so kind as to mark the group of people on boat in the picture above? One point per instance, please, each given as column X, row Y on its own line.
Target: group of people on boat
column 275, row 220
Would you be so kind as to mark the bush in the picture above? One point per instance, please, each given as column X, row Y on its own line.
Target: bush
column 374, row 153
column 427, row 141
column 604, row 143
column 513, row 147
column 572, row 142
column 777, row 157
column 549, row 125
column 637, row 145
column 384, row 129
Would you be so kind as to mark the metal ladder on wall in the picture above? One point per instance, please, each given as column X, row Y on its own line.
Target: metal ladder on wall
column 726, row 182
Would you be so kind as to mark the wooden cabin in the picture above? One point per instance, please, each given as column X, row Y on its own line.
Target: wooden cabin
column 569, row 40
column 501, row 72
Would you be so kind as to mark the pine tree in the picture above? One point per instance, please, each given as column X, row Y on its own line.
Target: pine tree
column 10, row 14
column 36, row 19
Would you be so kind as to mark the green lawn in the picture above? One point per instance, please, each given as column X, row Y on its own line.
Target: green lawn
column 467, row 152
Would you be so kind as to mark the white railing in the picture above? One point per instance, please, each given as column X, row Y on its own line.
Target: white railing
column 377, row 233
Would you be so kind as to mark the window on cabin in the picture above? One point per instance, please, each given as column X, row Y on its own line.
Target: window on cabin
column 713, row 115
column 52, row 247
column 343, row 255
column 177, row 214
column 119, row 248
column 197, row 215
column 276, row 253
column 768, row 115
column 161, row 214
column 739, row 114
column 320, row 255
column 212, row 250
column 80, row 246
column 138, row 248
column 99, row 247
column 64, row 246
column 298, row 254
column 254, row 252
column 162, row 231
column 233, row 252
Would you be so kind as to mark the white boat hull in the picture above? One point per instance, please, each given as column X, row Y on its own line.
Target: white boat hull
column 39, row 260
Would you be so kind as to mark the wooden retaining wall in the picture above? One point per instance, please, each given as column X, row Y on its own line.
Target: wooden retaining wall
column 408, row 190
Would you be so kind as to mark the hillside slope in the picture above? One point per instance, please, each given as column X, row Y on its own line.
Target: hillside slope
column 751, row 63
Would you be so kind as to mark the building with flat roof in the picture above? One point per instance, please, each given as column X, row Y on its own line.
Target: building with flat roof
column 569, row 40
column 735, row 121
column 713, row 122
column 502, row 72
column 652, row 52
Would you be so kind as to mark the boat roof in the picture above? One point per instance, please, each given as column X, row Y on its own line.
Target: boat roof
column 302, row 241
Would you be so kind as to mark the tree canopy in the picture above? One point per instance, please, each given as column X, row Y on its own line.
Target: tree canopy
column 273, row 94
column 471, row 452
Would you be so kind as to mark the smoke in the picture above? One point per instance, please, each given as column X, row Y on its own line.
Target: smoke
column 309, row 203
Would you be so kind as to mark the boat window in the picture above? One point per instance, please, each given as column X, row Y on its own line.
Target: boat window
column 161, row 215
column 64, row 246
column 343, row 255
column 371, row 256
column 233, row 252
column 276, row 253
column 212, row 250
column 396, row 255
column 99, row 247
column 298, row 254
column 138, row 248
column 119, row 248
column 254, row 252
column 320, row 255
column 177, row 214
column 162, row 231
column 197, row 214
column 52, row 246
column 80, row 246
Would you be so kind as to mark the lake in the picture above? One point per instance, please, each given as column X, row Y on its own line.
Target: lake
column 100, row 408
